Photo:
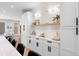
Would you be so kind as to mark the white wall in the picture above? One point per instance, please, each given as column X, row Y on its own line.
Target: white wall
column 44, row 18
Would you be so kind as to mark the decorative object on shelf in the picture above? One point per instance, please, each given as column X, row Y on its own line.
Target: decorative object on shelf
column 56, row 20
column 36, row 22
column 56, row 36
column 42, row 34
column 33, row 33
column 57, row 17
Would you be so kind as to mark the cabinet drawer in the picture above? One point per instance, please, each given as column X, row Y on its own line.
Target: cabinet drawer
column 38, row 46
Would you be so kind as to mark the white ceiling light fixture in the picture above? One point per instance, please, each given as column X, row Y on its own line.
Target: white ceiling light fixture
column 53, row 9
column 12, row 6
column 37, row 15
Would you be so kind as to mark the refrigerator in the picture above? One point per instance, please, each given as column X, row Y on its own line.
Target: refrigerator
column 69, row 29
column 77, row 29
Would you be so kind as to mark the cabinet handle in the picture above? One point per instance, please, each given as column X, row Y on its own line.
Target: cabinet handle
column 76, row 21
column 49, row 41
column 37, row 44
column 29, row 41
column 49, row 49
column 37, row 38
column 76, row 30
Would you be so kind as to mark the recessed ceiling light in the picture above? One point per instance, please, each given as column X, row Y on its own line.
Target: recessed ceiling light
column 38, row 15
column 3, row 10
column 12, row 6
column 53, row 9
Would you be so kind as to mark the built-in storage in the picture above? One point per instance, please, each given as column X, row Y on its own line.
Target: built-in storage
column 51, row 48
column 45, row 31
column 58, row 32
column 43, row 46
column 30, row 43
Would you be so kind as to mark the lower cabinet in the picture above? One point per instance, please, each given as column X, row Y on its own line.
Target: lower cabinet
column 30, row 43
column 38, row 46
column 56, row 49
column 50, row 49
column 43, row 47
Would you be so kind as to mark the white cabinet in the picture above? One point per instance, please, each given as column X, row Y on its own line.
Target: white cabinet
column 44, row 52
column 47, row 48
column 38, row 45
column 50, row 48
column 56, row 49
column 43, row 47
column 68, row 14
column 68, row 41
column 30, row 43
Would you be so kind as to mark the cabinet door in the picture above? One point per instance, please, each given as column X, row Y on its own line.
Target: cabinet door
column 52, row 49
column 68, row 41
column 44, row 47
column 77, row 42
column 30, row 43
column 77, row 36
column 56, row 49
column 24, row 34
column 49, row 49
column 68, row 14
column 38, row 45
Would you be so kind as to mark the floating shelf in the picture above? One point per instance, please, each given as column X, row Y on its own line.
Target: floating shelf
column 46, row 24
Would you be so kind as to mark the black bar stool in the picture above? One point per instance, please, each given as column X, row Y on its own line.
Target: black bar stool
column 21, row 48
column 13, row 43
column 32, row 53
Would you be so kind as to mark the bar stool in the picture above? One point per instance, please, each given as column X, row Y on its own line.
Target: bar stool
column 21, row 48
column 9, row 39
column 13, row 43
column 32, row 53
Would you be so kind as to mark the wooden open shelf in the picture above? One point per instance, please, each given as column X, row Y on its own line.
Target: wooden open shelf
column 46, row 24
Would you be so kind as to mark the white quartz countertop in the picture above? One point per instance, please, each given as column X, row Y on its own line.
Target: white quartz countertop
column 6, row 48
column 48, row 39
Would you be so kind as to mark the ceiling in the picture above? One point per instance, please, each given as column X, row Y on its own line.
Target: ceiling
column 18, row 5
column 23, row 6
